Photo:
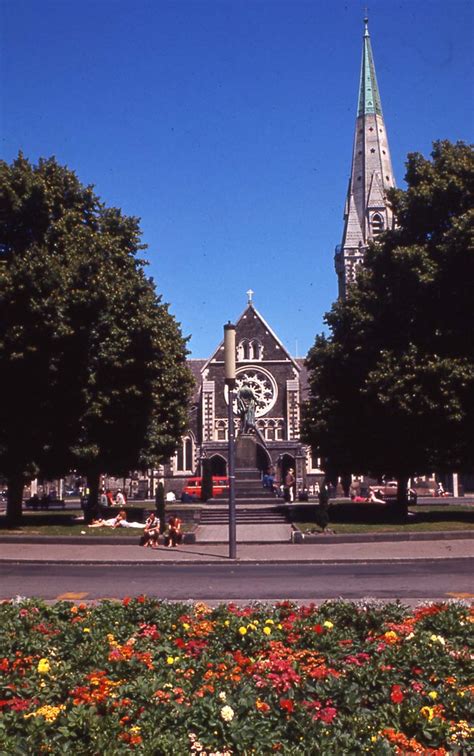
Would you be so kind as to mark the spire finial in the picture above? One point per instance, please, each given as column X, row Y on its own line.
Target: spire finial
column 250, row 294
column 366, row 22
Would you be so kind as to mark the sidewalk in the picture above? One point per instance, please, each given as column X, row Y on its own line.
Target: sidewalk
column 327, row 551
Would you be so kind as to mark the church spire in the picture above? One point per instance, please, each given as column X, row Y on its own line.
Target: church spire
column 369, row 97
column 367, row 213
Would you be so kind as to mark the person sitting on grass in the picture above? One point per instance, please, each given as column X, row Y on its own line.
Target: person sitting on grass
column 120, row 521
column 173, row 535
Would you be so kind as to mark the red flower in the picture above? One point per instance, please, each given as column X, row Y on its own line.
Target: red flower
column 287, row 704
column 327, row 715
column 318, row 629
column 396, row 695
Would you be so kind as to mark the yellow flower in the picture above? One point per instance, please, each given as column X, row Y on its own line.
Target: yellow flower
column 50, row 713
column 269, row 622
column 328, row 625
column 391, row 635
column 427, row 711
column 243, row 630
column 43, row 666
column 186, row 626
column 252, row 626
column 280, row 626
column 267, row 630
column 86, row 630
column 433, row 694
column 227, row 623
column 170, row 660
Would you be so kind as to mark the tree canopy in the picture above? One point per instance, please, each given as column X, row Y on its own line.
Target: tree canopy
column 93, row 365
column 392, row 386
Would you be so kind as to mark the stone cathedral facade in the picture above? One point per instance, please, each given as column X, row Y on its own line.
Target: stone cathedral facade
column 279, row 382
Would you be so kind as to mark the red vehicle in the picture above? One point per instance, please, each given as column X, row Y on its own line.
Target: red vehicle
column 193, row 486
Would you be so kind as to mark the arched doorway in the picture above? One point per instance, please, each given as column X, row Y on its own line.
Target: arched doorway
column 283, row 465
column 218, row 465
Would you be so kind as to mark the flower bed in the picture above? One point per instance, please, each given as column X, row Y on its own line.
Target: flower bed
column 159, row 678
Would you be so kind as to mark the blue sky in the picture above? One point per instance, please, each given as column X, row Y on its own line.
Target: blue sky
column 227, row 127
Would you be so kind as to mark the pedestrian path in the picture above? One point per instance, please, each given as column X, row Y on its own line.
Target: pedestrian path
column 198, row 553
column 246, row 533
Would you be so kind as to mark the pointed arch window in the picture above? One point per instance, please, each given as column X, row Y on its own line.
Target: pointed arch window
column 256, row 350
column 185, row 456
column 243, row 350
column 249, row 350
column 221, row 430
column 377, row 224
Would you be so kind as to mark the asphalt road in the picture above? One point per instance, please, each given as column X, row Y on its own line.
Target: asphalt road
column 406, row 580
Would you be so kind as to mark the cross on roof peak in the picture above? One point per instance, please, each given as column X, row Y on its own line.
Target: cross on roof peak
column 250, row 294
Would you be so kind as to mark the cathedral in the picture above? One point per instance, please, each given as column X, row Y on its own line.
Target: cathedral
column 278, row 380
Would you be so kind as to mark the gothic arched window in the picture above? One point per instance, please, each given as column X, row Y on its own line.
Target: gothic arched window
column 221, row 430
column 243, row 350
column 184, row 456
column 256, row 350
column 377, row 224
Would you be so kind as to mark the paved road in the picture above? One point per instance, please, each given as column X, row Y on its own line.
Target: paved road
column 406, row 580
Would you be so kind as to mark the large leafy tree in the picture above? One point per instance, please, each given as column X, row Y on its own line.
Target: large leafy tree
column 93, row 365
column 392, row 386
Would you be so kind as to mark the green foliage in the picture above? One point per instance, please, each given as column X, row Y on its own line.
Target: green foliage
column 392, row 387
column 206, row 485
column 92, row 362
column 152, row 677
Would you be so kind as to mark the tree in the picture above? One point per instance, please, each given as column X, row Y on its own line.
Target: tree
column 93, row 365
column 392, row 385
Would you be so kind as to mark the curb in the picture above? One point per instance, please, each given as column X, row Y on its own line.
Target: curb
column 227, row 560
column 301, row 538
column 298, row 538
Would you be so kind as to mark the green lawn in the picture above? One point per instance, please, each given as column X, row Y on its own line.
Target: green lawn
column 423, row 519
column 343, row 519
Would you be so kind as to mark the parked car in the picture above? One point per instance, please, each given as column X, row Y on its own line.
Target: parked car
column 193, row 486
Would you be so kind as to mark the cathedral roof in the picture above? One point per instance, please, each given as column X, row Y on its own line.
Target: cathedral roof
column 246, row 322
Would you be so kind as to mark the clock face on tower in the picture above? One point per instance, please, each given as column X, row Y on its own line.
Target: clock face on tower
column 263, row 385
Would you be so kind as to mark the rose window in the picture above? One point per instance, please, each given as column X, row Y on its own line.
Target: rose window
column 263, row 386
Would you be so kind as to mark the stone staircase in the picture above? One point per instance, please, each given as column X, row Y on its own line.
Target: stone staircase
column 254, row 505
column 245, row 514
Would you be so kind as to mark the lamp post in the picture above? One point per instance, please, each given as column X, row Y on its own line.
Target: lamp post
column 229, row 361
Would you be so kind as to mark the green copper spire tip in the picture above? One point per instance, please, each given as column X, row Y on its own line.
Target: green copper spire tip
column 369, row 98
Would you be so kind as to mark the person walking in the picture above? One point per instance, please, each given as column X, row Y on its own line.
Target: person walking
column 289, row 485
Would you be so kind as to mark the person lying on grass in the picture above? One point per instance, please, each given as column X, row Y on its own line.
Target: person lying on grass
column 120, row 521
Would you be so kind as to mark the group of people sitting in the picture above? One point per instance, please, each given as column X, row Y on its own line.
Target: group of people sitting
column 151, row 528
column 151, row 532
